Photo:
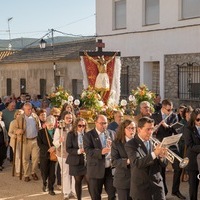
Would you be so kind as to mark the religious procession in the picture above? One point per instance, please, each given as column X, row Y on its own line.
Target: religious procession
column 120, row 146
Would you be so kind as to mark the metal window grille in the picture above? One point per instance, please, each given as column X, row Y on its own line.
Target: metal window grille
column 9, row 86
column 189, row 81
column 43, row 83
column 125, row 82
column 22, row 85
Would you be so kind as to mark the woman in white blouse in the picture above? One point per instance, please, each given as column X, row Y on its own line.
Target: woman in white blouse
column 59, row 141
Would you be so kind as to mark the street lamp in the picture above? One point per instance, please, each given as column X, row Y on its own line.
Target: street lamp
column 42, row 45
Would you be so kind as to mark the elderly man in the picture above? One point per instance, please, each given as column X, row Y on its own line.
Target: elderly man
column 28, row 124
column 118, row 118
column 145, row 111
column 97, row 145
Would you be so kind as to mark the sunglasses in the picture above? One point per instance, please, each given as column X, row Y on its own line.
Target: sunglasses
column 168, row 110
column 81, row 126
column 198, row 119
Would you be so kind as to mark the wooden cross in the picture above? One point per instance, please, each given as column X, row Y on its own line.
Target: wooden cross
column 100, row 45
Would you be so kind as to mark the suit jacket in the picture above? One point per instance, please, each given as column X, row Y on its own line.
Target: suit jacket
column 162, row 131
column 72, row 147
column 95, row 160
column 43, row 143
column 119, row 161
column 192, row 141
column 146, row 180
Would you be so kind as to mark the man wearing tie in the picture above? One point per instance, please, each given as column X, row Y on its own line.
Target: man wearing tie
column 146, row 180
column 164, row 118
column 97, row 146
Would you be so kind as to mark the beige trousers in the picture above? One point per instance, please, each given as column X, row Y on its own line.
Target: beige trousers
column 30, row 157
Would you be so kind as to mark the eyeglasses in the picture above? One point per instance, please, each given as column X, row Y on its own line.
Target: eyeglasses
column 198, row 119
column 130, row 128
column 102, row 123
column 81, row 126
column 56, row 115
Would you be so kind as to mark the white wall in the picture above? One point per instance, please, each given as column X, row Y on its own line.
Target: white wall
column 151, row 43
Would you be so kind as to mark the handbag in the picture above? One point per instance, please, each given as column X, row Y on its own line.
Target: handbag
column 53, row 156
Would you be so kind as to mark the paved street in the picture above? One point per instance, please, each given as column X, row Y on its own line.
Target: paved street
column 11, row 188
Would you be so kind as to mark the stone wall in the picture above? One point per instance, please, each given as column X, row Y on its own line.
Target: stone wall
column 171, row 77
column 133, row 70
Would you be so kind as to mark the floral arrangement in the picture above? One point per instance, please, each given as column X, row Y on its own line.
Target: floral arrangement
column 58, row 97
column 142, row 93
column 91, row 99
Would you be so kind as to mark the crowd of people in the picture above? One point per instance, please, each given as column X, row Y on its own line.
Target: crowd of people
column 119, row 156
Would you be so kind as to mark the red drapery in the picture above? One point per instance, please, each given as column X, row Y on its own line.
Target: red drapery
column 92, row 72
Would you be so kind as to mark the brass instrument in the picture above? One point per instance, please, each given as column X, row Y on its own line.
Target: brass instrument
column 158, row 125
column 170, row 155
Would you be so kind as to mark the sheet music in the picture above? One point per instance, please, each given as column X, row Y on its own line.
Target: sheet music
column 171, row 140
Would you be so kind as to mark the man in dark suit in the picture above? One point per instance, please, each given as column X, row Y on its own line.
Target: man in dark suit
column 97, row 146
column 146, row 180
column 163, row 119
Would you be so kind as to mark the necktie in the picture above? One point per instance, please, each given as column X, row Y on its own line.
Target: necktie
column 103, row 139
column 146, row 143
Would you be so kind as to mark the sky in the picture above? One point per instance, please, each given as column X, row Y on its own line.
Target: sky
column 34, row 18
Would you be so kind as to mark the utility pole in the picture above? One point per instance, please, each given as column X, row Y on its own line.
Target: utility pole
column 9, row 45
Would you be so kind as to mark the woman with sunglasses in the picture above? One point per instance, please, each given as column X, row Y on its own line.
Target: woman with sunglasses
column 120, row 161
column 76, row 157
column 192, row 141
column 59, row 142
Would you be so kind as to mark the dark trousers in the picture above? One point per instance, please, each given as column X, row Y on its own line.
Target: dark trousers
column 123, row 194
column 176, row 176
column 96, row 186
column 47, row 168
column 193, row 184
column 78, row 185
column 58, row 174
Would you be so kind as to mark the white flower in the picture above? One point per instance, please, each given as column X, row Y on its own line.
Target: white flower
column 123, row 102
column 149, row 95
column 132, row 98
column 57, row 93
column 100, row 103
column 76, row 102
column 63, row 102
column 83, row 94
column 70, row 98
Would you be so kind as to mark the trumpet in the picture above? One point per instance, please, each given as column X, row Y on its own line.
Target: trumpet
column 170, row 155
column 158, row 125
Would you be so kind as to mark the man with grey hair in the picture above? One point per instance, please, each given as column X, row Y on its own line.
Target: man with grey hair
column 28, row 124
column 145, row 111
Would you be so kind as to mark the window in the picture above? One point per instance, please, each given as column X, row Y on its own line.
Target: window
column 43, row 83
column 77, row 87
column 125, row 82
column 120, row 14
column 22, row 85
column 189, row 81
column 9, row 86
column 151, row 12
column 190, row 8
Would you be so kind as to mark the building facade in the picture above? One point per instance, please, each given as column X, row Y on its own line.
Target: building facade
column 159, row 44
column 37, row 71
